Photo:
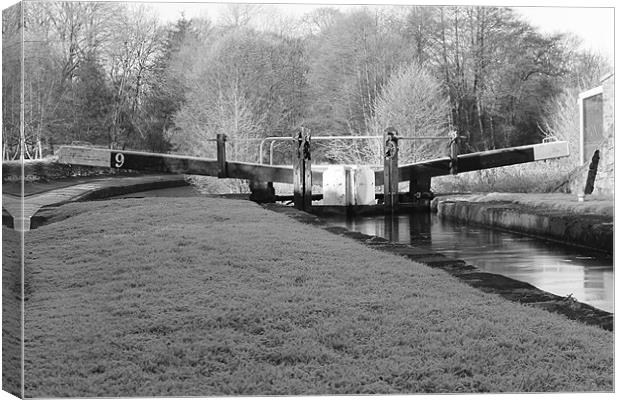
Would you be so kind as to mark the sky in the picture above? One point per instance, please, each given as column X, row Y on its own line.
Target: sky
column 594, row 24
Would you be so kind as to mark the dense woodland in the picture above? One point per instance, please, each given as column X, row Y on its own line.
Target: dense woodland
column 112, row 74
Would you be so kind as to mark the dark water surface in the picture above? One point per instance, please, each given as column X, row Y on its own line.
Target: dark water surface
column 555, row 268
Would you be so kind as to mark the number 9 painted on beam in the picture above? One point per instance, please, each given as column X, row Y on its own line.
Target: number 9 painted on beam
column 119, row 159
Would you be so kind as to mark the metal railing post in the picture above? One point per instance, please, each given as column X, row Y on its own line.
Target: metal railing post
column 390, row 169
column 221, row 155
column 302, row 170
column 454, row 152
column 271, row 152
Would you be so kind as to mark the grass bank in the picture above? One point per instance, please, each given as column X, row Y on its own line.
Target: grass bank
column 200, row 296
column 11, row 312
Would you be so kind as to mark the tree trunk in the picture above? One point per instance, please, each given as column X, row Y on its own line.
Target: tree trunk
column 479, row 109
column 492, row 131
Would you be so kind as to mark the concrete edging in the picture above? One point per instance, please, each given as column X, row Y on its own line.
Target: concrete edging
column 37, row 218
column 590, row 231
column 111, row 191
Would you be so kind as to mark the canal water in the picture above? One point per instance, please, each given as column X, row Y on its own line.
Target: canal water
column 552, row 267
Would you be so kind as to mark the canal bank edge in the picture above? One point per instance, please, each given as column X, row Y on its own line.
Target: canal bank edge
column 38, row 205
column 566, row 225
column 508, row 288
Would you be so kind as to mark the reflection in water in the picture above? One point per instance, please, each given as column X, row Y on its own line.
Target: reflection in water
column 552, row 267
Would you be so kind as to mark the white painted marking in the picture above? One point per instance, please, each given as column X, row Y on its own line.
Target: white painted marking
column 21, row 224
column 335, row 186
column 364, row 185
column 84, row 156
column 550, row 150
column 119, row 159
column 348, row 185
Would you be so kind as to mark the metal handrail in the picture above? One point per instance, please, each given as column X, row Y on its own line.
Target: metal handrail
column 277, row 138
column 274, row 139
column 346, row 137
column 422, row 137
column 262, row 142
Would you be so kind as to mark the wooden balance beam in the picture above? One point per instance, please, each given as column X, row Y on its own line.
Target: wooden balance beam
column 480, row 160
column 167, row 163
column 301, row 173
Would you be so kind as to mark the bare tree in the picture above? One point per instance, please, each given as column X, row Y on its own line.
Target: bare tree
column 351, row 60
column 59, row 39
column 245, row 84
column 132, row 55
column 238, row 15
column 74, row 29
column 11, row 80
column 319, row 19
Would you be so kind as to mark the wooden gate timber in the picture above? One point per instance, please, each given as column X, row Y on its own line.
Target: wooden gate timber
column 302, row 174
